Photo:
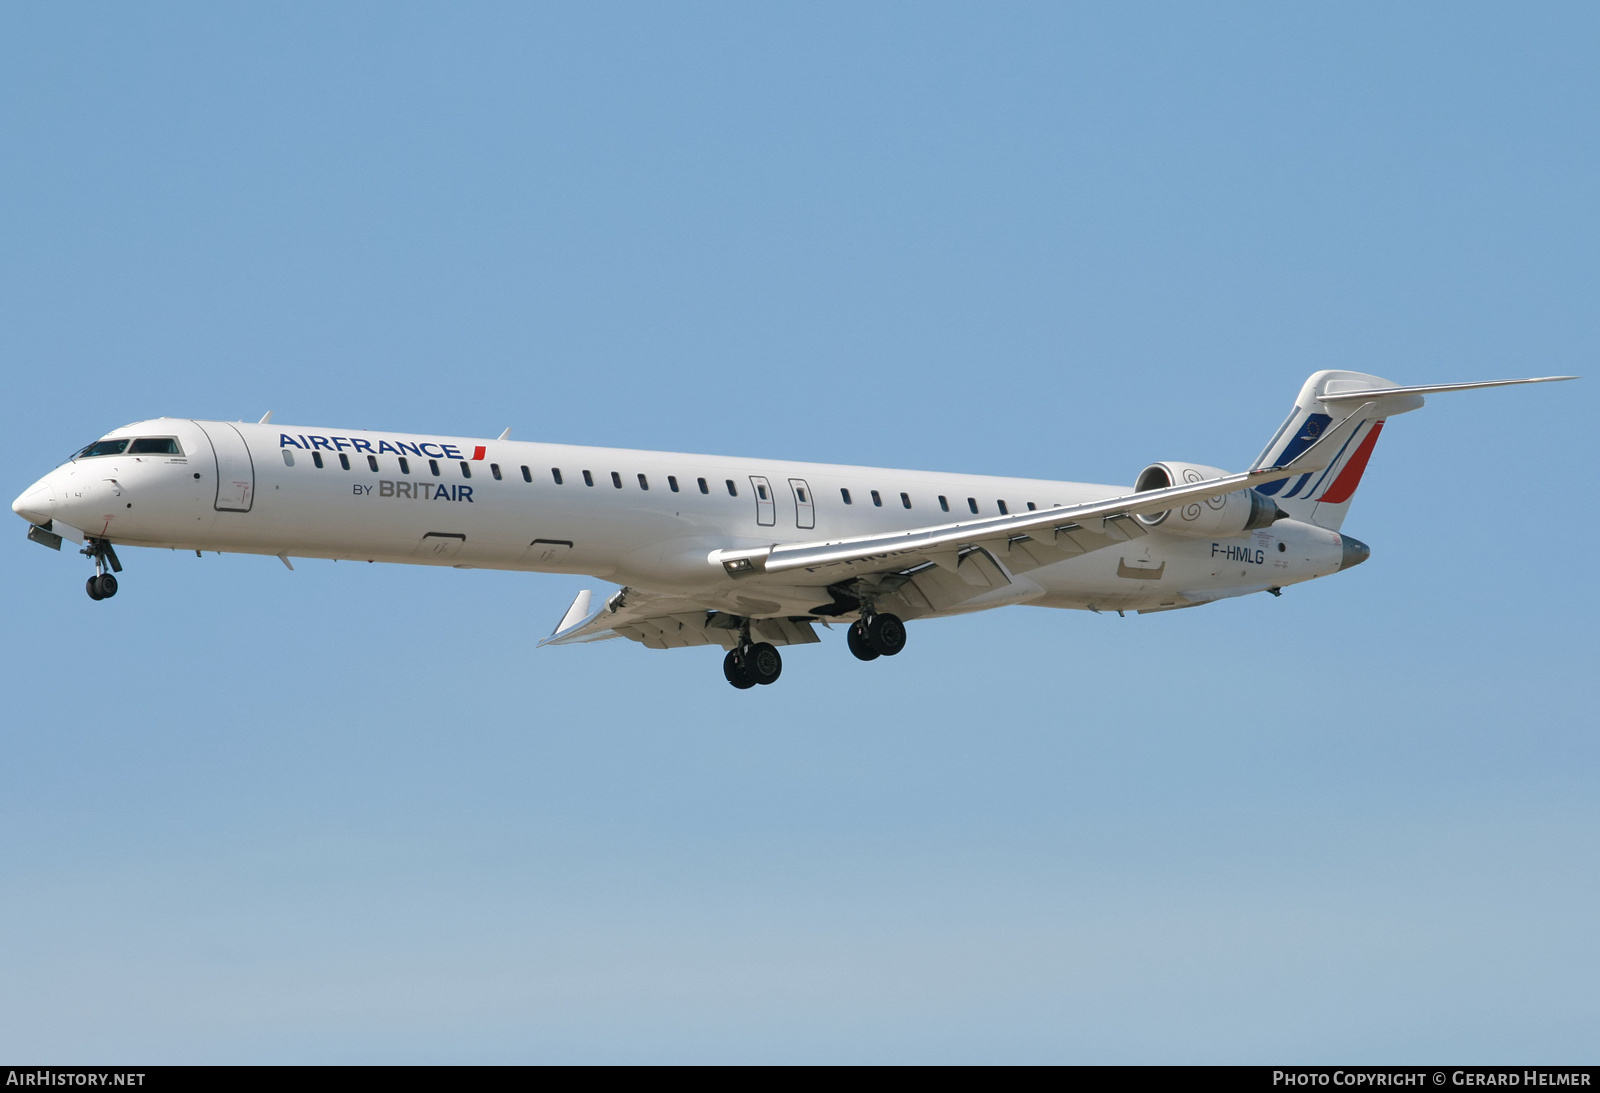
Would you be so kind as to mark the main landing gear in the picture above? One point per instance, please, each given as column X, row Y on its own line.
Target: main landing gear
column 877, row 635
column 751, row 664
column 102, row 586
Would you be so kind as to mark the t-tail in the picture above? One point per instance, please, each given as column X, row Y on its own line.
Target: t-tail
column 1352, row 406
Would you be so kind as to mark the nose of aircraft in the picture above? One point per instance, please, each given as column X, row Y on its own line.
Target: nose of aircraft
column 37, row 504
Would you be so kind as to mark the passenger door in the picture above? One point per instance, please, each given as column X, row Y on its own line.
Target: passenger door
column 766, row 507
column 805, row 509
column 236, row 472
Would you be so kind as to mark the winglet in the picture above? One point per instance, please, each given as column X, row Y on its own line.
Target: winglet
column 580, row 624
column 576, row 613
column 265, row 418
column 505, row 435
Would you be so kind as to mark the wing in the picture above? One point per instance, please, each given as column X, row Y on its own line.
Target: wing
column 668, row 622
column 968, row 549
column 1038, row 537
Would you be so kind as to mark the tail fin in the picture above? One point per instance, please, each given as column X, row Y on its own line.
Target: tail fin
column 1326, row 401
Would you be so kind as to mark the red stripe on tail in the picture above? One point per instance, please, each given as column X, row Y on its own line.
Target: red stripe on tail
column 1350, row 477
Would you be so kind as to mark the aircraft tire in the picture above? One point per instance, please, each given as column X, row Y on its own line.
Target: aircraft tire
column 733, row 669
column 763, row 663
column 92, row 586
column 886, row 634
column 857, row 639
column 108, row 586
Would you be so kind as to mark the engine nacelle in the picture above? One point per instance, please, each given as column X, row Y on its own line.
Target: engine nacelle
column 1211, row 517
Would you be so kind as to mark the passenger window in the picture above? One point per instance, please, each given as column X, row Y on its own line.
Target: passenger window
column 494, row 469
column 644, row 483
column 159, row 445
column 103, row 447
column 972, row 503
column 433, row 465
column 1003, row 510
column 466, row 469
column 672, row 483
column 703, row 487
column 372, row 462
column 288, row 458
column 844, row 493
column 616, row 480
column 588, row 479
column 800, row 493
column 905, row 500
column 733, row 491
column 344, row 461
column 761, row 491
column 876, row 500
column 555, row 472
column 1032, row 507
column 944, row 505
column 405, row 466
column 316, row 457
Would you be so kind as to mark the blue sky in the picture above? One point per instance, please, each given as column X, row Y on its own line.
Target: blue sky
column 350, row 814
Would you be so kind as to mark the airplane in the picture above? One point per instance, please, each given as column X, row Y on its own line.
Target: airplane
column 746, row 554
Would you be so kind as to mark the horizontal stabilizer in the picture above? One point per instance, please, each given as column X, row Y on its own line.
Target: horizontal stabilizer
column 1333, row 395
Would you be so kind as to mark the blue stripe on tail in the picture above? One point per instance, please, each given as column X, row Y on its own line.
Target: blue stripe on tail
column 1307, row 436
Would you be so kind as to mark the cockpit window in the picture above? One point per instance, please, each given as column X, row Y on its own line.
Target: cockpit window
column 104, row 447
column 155, row 445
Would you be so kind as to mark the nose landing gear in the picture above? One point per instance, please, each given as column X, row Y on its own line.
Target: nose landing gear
column 102, row 586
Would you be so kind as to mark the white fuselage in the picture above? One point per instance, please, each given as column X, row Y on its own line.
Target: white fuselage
column 613, row 514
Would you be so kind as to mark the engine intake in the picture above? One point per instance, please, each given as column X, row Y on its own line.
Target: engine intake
column 1212, row 518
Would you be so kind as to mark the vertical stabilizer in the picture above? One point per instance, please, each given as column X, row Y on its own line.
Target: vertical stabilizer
column 1323, row 497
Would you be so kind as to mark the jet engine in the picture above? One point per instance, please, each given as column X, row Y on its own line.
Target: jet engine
column 1212, row 517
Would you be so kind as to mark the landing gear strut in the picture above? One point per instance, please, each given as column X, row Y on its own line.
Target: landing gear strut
column 752, row 663
column 102, row 586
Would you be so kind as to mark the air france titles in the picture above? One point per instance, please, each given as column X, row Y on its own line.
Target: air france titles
column 410, row 491
column 357, row 444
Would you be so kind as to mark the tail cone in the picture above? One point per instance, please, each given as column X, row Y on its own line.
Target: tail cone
column 1353, row 552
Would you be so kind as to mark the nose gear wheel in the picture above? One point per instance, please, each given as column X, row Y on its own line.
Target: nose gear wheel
column 102, row 586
